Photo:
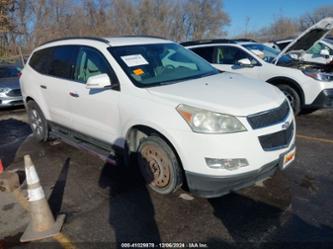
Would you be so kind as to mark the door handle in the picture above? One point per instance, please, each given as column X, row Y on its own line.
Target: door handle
column 75, row 95
column 43, row 86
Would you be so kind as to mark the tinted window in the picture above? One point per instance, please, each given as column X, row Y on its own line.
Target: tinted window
column 8, row 72
column 90, row 62
column 231, row 55
column 205, row 52
column 41, row 60
column 63, row 62
column 55, row 61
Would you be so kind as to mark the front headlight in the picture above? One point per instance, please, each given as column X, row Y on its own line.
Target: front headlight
column 4, row 90
column 318, row 75
column 203, row 121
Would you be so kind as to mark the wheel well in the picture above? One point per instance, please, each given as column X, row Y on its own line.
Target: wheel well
column 136, row 133
column 28, row 99
column 287, row 81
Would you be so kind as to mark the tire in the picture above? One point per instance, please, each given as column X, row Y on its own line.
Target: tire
column 37, row 122
column 309, row 110
column 159, row 165
column 293, row 97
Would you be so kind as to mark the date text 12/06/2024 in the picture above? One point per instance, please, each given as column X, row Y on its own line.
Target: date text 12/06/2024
column 165, row 245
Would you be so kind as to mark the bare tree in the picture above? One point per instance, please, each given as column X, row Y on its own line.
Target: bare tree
column 39, row 20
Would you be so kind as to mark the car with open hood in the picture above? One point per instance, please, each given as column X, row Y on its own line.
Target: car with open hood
column 321, row 52
column 306, row 84
column 150, row 103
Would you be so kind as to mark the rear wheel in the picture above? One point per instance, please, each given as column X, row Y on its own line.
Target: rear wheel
column 37, row 122
column 159, row 165
column 293, row 97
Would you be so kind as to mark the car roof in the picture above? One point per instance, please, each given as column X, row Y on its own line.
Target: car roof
column 111, row 41
column 240, row 41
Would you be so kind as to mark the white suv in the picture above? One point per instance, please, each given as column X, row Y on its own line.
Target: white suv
column 306, row 84
column 150, row 98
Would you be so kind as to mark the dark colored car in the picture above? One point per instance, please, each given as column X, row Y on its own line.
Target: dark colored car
column 10, row 92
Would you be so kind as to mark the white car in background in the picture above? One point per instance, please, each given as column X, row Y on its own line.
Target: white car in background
column 306, row 84
column 181, row 119
column 321, row 52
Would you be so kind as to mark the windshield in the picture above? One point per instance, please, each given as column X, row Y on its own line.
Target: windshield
column 8, row 72
column 158, row 64
column 266, row 53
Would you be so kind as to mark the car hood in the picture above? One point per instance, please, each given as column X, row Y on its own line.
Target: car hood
column 309, row 37
column 12, row 83
column 226, row 93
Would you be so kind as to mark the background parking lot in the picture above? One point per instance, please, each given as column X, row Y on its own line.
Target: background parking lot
column 106, row 203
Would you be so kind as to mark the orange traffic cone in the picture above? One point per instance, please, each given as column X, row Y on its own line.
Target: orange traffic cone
column 1, row 167
column 42, row 224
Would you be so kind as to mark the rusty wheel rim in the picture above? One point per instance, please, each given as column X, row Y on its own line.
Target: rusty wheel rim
column 155, row 166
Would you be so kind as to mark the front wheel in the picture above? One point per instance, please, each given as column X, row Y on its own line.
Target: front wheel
column 292, row 96
column 37, row 122
column 159, row 165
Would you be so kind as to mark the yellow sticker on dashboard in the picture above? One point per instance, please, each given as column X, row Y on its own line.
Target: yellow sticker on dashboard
column 138, row 71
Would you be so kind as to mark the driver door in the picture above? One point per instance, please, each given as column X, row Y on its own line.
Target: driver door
column 94, row 111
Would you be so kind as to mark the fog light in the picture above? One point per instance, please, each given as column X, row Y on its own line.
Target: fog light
column 228, row 164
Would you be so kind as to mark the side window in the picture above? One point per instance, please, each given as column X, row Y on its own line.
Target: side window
column 231, row 55
column 41, row 60
column 89, row 63
column 205, row 52
column 63, row 62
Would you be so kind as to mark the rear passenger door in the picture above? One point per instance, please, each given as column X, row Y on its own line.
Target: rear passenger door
column 94, row 111
column 57, row 72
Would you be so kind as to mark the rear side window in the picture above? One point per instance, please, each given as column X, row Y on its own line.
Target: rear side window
column 55, row 61
column 40, row 60
column 205, row 52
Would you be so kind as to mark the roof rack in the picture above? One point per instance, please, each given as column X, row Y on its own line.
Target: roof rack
column 143, row 36
column 78, row 37
column 208, row 41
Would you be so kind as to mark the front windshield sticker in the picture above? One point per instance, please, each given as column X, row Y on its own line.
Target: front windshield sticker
column 134, row 60
column 138, row 71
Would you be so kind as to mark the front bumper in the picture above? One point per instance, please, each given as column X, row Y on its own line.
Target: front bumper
column 323, row 100
column 212, row 186
column 11, row 101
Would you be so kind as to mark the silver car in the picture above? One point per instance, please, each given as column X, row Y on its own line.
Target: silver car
column 10, row 92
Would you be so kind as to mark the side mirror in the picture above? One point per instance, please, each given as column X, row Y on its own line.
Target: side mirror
column 98, row 81
column 245, row 63
column 325, row 53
